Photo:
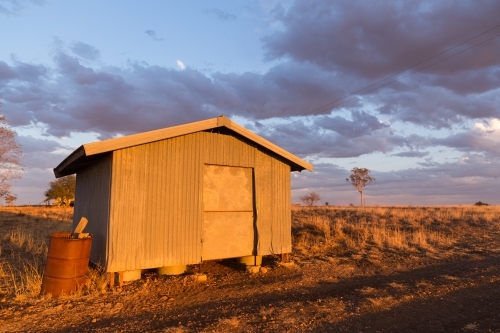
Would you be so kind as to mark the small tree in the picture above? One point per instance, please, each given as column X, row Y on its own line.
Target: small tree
column 310, row 199
column 359, row 178
column 10, row 199
column 10, row 156
column 62, row 190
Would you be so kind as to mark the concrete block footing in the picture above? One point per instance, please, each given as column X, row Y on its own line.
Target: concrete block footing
column 200, row 277
column 253, row 269
column 172, row 270
column 132, row 275
column 250, row 260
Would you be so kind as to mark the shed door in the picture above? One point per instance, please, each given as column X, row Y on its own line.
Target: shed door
column 227, row 212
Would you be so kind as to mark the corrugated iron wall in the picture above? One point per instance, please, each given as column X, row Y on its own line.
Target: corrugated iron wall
column 92, row 198
column 272, row 178
column 156, row 206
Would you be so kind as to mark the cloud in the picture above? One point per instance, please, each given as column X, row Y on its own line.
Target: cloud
column 435, row 107
column 181, row 65
column 40, row 153
column 287, row 89
column 306, row 140
column 152, row 34
column 140, row 97
column 463, row 181
column 472, row 141
column 220, row 14
column 362, row 123
column 374, row 39
column 319, row 53
column 412, row 154
column 6, row 73
column 85, row 51
column 31, row 187
column 490, row 127
column 14, row 7
column 30, row 144
column 110, row 100
column 367, row 42
column 71, row 96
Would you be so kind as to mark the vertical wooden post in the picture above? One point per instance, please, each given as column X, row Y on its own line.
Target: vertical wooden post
column 120, row 274
column 285, row 257
column 111, row 280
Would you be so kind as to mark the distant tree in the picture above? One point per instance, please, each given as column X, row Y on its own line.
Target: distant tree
column 310, row 199
column 62, row 190
column 479, row 203
column 10, row 199
column 10, row 156
column 359, row 178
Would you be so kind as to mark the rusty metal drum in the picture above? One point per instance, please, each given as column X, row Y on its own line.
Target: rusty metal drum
column 67, row 264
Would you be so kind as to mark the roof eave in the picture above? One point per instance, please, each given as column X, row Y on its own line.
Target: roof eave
column 59, row 171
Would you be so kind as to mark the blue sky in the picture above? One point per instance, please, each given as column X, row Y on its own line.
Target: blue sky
column 75, row 72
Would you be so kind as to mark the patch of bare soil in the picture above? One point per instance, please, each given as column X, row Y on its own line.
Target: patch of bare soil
column 456, row 289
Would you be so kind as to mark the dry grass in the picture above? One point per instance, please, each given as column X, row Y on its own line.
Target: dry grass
column 23, row 249
column 351, row 230
column 336, row 231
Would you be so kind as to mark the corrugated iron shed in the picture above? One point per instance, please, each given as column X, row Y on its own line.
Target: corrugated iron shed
column 210, row 189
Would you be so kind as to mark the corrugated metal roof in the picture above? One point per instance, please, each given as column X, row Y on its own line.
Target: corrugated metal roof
column 88, row 153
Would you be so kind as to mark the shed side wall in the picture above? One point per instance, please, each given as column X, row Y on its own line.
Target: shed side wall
column 157, row 199
column 92, row 198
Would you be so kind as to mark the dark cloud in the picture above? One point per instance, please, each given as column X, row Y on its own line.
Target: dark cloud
column 435, row 107
column 6, row 73
column 362, row 123
column 471, row 141
column 85, row 51
column 369, row 41
column 139, row 97
column 469, row 82
column 14, row 7
column 428, row 163
column 412, row 154
column 152, row 34
column 287, row 89
column 374, row 39
column 110, row 101
column 74, row 97
column 307, row 140
column 220, row 14
column 31, row 73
